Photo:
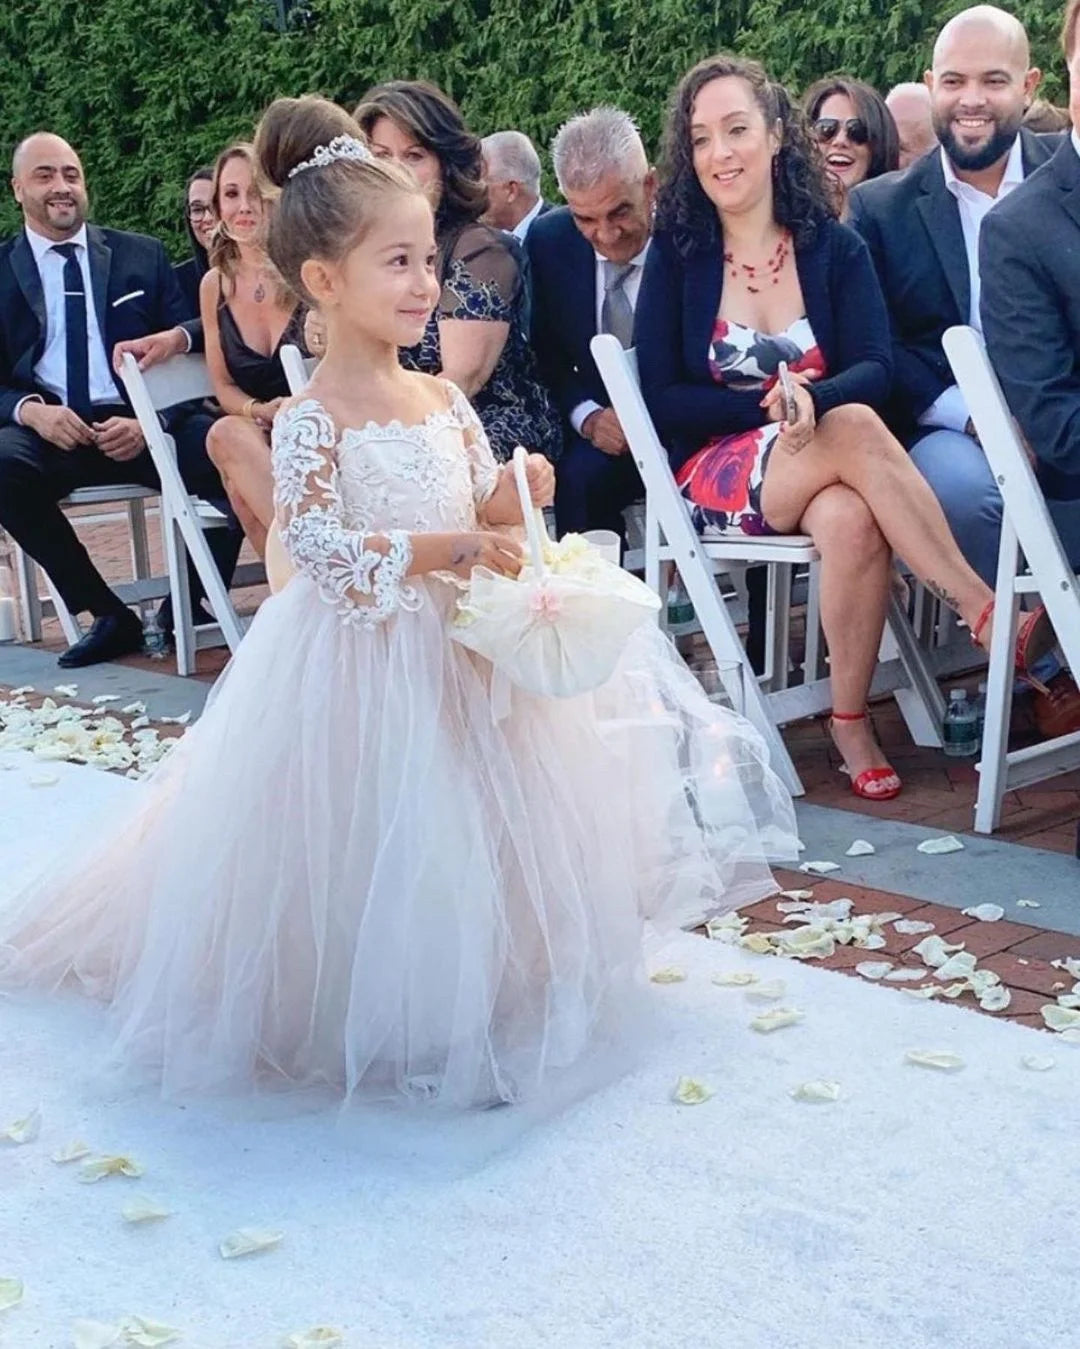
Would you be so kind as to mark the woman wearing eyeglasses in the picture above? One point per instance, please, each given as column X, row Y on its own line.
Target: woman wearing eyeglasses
column 199, row 220
column 855, row 132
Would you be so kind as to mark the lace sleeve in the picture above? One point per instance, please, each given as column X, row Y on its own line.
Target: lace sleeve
column 483, row 280
column 361, row 575
column 482, row 466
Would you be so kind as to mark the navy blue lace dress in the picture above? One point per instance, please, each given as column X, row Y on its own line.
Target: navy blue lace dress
column 483, row 281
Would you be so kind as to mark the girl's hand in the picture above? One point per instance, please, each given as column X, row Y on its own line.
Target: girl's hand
column 485, row 548
column 795, row 436
column 540, row 475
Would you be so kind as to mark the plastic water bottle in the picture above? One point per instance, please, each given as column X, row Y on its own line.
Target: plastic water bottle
column 8, row 627
column 679, row 608
column 155, row 643
column 960, row 734
column 980, row 709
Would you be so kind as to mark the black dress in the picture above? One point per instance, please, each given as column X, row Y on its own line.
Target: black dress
column 260, row 377
column 484, row 279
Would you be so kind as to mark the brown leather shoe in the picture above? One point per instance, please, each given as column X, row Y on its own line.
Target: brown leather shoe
column 1057, row 711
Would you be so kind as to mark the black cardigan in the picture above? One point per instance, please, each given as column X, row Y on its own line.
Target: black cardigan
column 676, row 311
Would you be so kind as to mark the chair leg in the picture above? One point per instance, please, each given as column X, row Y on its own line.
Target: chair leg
column 777, row 626
column 29, row 597
column 140, row 548
column 993, row 763
column 813, row 659
column 68, row 622
column 179, row 591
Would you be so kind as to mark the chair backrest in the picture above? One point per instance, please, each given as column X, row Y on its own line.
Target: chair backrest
column 1021, row 495
column 298, row 369
column 177, row 380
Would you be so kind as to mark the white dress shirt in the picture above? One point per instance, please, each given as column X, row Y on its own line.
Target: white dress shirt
column 51, row 370
column 522, row 227
column 631, row 286
column 949, row 409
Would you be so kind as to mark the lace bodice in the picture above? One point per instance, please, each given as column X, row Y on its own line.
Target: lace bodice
column 347, row 504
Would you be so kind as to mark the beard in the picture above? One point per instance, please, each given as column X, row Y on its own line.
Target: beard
column 981, row 157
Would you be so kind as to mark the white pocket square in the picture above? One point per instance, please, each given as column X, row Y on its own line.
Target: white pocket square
column 131, row 295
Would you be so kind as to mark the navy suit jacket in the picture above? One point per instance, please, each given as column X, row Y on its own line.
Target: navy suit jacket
column 911, row 222
column 676, row 311
column 1029, row 260
column 135, row 293
column 563, row 267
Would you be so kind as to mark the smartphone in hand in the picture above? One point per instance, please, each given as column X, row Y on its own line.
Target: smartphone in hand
column 787, row 389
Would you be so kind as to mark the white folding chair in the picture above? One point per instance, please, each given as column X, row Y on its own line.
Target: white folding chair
column 671, row 537
column 1027, row 529
column 183, row 517
column 143, row 590
column 298, row 368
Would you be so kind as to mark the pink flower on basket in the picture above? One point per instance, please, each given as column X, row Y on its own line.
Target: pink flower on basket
column 545, row 604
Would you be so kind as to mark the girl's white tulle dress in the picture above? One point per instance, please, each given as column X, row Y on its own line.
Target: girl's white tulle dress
column 360, row 869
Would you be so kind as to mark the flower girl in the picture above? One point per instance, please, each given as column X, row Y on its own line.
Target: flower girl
column 359, row 869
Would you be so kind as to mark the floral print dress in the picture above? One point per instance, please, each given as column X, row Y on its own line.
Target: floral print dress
column 483, row 281
column 722, row 481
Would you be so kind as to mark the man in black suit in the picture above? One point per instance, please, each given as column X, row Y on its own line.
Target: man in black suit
column 69, row 292
column 922, row 226
column 1029, row 254
column 586, row 262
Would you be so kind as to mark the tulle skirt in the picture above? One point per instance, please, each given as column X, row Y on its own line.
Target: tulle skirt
column 367, row 867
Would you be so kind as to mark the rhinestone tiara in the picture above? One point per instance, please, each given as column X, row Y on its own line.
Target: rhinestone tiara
column 341, row 147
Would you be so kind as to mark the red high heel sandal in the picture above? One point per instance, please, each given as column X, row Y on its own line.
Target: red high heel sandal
column 869, row 776
column 1035, row 638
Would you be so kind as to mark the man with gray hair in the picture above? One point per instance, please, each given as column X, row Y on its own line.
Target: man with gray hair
column 910, row 106
column 587, row 260
column 512, row 174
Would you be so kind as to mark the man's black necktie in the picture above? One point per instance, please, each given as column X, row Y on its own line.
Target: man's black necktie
column 75, row 331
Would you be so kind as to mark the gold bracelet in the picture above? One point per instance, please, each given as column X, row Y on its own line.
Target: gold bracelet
column 245, row 411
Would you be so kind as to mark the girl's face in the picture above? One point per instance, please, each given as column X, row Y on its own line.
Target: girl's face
column 845, row 147
column 733, row 149
column 200, row 209
column 239, row 202
column 386, row 287
column 389, row 141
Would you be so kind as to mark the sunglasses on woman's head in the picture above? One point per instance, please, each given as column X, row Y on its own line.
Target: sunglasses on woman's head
column 856, row 130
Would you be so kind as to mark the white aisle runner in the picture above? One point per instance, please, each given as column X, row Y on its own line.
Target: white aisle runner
column 923, row 1210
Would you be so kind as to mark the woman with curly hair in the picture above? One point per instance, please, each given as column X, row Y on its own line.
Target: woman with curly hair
column 855, row 133
column 748, row 267
column 478, row 336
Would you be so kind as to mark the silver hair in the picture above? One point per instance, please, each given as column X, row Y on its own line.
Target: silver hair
column 512, row 157
column 596, row 144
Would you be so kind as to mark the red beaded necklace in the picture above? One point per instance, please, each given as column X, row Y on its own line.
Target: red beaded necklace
column 772, row 268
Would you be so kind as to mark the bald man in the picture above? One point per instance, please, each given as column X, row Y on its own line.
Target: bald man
column 910, row 107
column 923, row 230
column 69, row 291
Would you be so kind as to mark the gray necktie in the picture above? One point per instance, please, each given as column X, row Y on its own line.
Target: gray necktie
column 617, row 313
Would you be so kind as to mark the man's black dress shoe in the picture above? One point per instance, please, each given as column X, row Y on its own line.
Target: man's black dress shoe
column 109, row 637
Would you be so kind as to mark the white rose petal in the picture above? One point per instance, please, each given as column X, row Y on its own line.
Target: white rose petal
column 936, row 847
column 911, row 926
column 689, row 1091
column 934, row 952
column 670, row 974
column 873, row 969
column 1028, row 904
column 761, row 943
column 66, row 690
column 181, row 720
column 43, row 779
column 985, row 913
column 995, row 999
column 806, row 944
column 147, row 1334
column 23, row 1130
column 318, row 1337
column 734, row 978
column 144, row 1211
column 1037, row 1063
column 934, row 1058
column 133, row 710
column 1059, row 1018
column 1070, row 1000
column 97, row 1168
column 776, row 1019
column 100, row 699
column 11, row 1293
column 249, row 1240
column 819, row 868
column 1072, row 1034
column 94, row 1335
column 72, row 1152
column 927, row 991
column 958, row 966
column 1070, row 965
column 873, row 941
column 905, row 975
column 795, row 895
column 769, row 991
column 727, row 928
column 817, row 1090
column 860, row 848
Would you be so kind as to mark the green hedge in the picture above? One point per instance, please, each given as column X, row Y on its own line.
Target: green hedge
column 148, row 89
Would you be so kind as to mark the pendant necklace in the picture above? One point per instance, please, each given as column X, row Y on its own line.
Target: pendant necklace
column 761, row 272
